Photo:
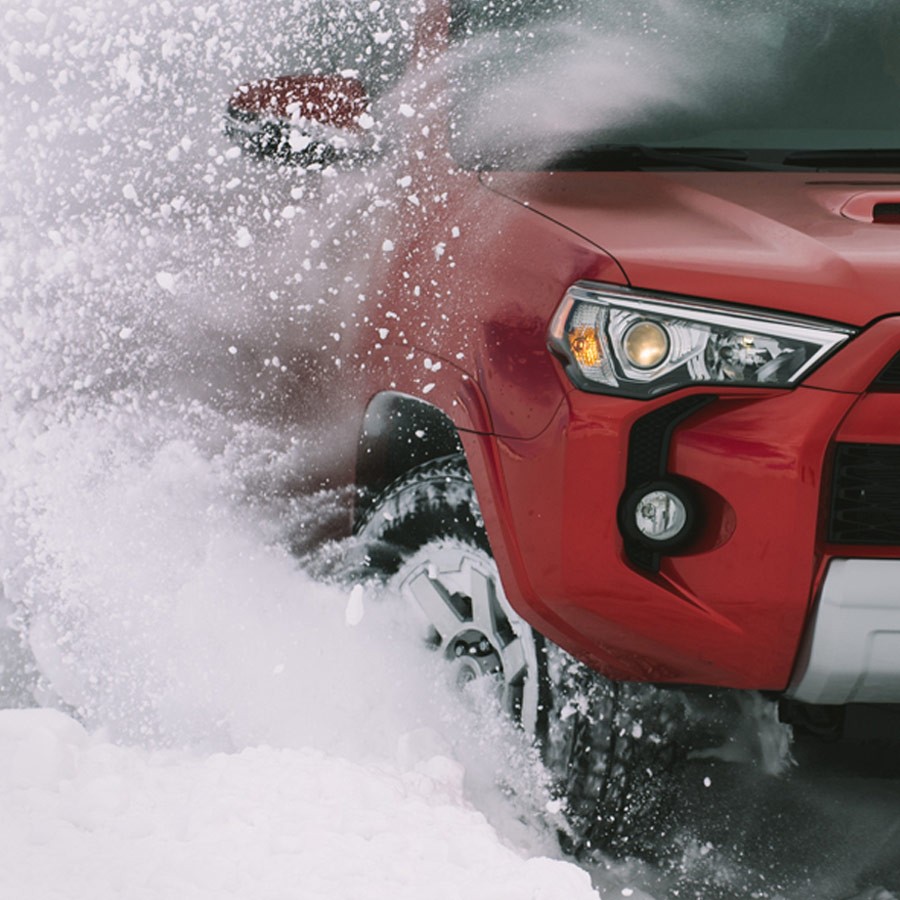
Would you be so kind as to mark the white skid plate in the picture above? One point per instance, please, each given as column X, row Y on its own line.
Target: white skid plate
column 852, row 649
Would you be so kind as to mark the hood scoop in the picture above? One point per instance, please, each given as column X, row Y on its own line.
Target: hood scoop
column 877, row 207
column 886, row 213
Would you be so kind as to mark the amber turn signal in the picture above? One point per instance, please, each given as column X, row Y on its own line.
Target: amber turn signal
column 584, row 342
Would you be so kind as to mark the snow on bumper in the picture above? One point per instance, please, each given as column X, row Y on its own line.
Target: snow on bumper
column 852, row 650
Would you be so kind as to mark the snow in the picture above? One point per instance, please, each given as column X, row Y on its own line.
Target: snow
column 184, row 710
column 242, row 730
column 82, row 817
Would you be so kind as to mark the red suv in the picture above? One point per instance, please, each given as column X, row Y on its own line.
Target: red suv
column 620, row 354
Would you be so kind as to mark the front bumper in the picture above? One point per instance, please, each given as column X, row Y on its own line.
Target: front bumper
column 735, row 608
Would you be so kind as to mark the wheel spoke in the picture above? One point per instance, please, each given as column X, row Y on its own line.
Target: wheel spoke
column 515, row 666
column 434, row 600
column 484, row 605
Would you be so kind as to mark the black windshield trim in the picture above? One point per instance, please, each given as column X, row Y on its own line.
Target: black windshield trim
column 880, row 159
column 642, row 156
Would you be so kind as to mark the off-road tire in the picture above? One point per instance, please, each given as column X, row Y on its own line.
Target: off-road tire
column 609, row 747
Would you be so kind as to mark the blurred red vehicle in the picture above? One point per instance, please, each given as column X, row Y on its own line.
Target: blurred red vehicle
column 626, row 365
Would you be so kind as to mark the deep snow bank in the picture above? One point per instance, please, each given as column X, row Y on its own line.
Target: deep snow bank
column 81, row 817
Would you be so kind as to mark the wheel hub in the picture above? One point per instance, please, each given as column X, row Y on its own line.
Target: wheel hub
column 472, row 656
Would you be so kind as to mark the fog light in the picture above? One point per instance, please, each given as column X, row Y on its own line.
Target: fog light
column 660, row 516
column 646, row 344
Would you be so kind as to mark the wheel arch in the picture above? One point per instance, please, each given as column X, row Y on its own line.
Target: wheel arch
column 399, row 432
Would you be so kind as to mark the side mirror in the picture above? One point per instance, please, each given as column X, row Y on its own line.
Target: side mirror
column 300, row 119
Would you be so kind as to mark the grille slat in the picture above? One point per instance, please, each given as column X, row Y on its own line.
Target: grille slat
column 865, row 497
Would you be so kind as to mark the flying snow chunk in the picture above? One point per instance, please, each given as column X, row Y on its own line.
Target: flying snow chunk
column 366, row 121
column 355, row 607
column 406, row 110
column 166, row 280
column 242, row 237
column 387, row 246
column 129, row 193
column 299, row 141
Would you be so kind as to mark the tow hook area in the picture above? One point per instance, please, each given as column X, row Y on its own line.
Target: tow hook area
column 823, row 722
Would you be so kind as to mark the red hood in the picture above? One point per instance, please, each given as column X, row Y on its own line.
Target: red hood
column 795, row 242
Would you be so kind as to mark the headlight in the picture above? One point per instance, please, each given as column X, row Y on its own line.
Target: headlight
column 626, row 342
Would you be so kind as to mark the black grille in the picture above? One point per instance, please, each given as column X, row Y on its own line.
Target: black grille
column 889, row 379
column 865, row 499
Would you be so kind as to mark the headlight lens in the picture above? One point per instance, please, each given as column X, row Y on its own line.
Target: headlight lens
column 646, row 344
column 639, row 345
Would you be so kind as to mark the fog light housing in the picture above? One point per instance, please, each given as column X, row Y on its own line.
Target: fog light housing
column 660, row 515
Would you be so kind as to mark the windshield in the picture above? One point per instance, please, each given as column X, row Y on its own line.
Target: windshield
column 539, row 81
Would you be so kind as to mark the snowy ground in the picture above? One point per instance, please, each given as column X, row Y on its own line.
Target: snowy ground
column 82, row 817
column 185, row 712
